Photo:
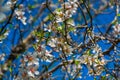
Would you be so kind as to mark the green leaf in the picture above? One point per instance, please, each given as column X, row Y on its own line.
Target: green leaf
column 17, row 56
column 88, row 52
column 34, row 46
column 58, row 10
column 50, row 17
column 77, row 62
column 95, row 78
column 103, row 77
column 69, row 20
column 71, row 29
column 118, row 15
column 81, row 1
column 10, row 69
column 31, row 6
column 40, row 34
column 114, row 22
column 59, row 28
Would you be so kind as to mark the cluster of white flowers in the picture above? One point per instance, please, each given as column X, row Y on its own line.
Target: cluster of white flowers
column 30, row 65
column 72, row 69
column 7, row 7
column 52, row 42
column 30, row 62
column 58, row 44
column 20, row 14
column 67, row 10
column 44, row 54
column 46, row 28
column 90, row 60
column 71, row 7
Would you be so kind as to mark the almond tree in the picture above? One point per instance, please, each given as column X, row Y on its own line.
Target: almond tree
column 59, row 39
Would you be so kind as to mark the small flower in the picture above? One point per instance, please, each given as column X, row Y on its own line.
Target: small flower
column 60, row 16
column 47, row 53
column 2, row 57
column 32, row 72
column 30, row 59
column 20, row 16
column 4, row 36
column 70, row 7
column 23, row 20
column 52, row 42
column 117, row 29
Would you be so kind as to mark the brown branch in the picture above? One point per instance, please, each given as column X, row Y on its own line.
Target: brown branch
column 55, row 68
column 111, row 48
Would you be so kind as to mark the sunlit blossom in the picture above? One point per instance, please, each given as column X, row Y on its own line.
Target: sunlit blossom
column 52, row 42
column 60, row 16
column 116, row 29
column 2, row 57
column 33, row 72
column 20, row 16
column 31, row 60
column 46, row 55
column 71, row 48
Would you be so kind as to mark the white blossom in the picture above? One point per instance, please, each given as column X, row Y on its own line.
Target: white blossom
column 2, row 57
column 52, row 42
column 31, row 74
column 20, row 16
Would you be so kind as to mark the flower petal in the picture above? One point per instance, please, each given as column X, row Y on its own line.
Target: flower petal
column 36, row 72
column 31, row 74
